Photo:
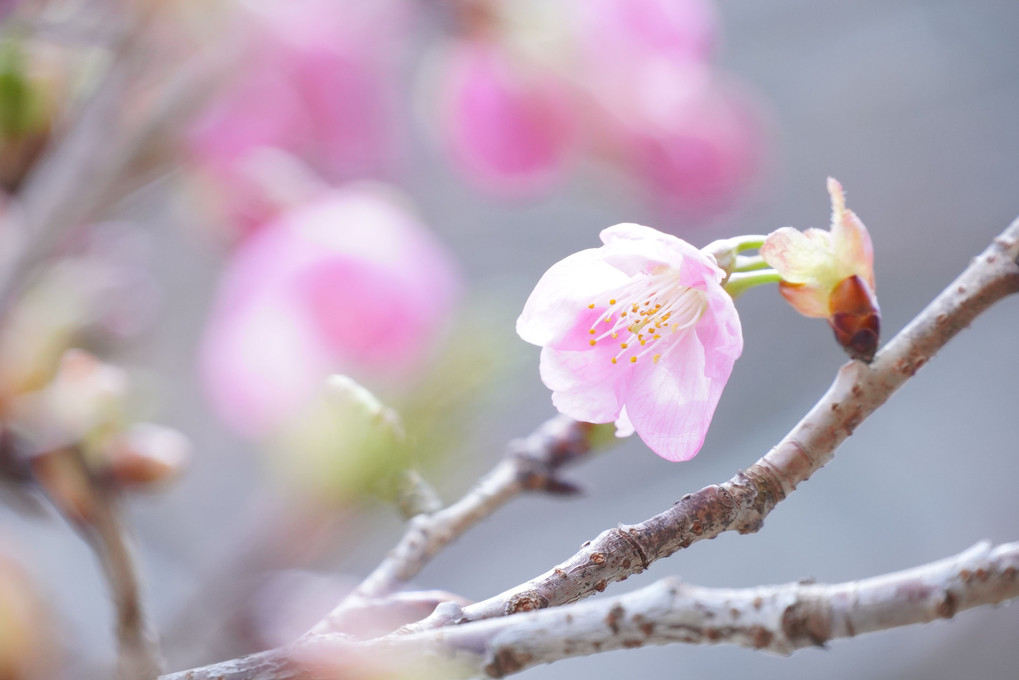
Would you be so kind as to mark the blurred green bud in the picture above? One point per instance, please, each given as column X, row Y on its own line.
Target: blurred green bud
column 27, row 108
column 345, row 445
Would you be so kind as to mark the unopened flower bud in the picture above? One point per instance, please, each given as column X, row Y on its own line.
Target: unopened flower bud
column 344, row 445
column 830, row 275
column 347, row 394
column 147, row 454
column 86, row 395
column 855, row 318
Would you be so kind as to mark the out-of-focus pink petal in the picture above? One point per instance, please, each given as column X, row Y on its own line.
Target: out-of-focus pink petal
column 315, row 79
column 259, row 364
column 700, row 155
column 350, row 283
column 509, row 127
column 670, row 30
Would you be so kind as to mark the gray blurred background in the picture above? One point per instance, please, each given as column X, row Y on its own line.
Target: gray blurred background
column 912, row 106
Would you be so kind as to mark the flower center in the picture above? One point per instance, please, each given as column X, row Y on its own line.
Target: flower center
column 647, row 312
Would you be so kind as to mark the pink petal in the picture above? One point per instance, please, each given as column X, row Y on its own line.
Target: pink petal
column 634, row 248
column 511, row 129
column 585, row 385
column 351, row 283
column 560, row 299
column 671, row 403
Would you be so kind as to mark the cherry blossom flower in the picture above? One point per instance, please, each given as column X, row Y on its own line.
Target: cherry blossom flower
column 830, row 275
column 638, row 331
column 510, row 128
column 350, row 282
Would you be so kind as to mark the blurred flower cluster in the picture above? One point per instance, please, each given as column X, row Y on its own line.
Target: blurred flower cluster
column 303, row 124
column 515, row 93
column 528, row 89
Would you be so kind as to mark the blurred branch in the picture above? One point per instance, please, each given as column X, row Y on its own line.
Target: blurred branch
column 780, row 619
column 77, row 177
column 742, row 503
column 91, row 507
column 139, row 656
column 531, row 464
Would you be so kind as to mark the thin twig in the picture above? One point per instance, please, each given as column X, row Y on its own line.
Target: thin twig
column 138, row 657
column 532, row 464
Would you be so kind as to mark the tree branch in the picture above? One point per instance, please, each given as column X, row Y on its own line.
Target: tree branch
column 138, row 649
column 779, row 619
column 531, row 464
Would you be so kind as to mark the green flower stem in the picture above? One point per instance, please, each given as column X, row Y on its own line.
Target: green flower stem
column 726, row 251
column 748, row 263
column 739, row 283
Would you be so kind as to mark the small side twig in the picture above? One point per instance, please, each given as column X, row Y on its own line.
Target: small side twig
column 90, row 505
column 139, row 656
column 532, row 464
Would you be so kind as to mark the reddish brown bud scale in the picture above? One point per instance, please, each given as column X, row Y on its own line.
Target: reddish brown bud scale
column 146, row 455
column 855, row 318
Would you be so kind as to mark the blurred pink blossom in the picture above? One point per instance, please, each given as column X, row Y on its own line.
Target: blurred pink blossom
column 638, row 331
column 509, row 127
column 314, row 78
column 530, row 87
column 696, row 154
column 352, row 282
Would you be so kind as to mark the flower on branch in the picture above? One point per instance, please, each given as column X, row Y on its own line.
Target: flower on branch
column 830, row 275
column 638, row 331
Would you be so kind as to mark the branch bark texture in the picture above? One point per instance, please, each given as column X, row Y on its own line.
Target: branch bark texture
column 779, row 619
